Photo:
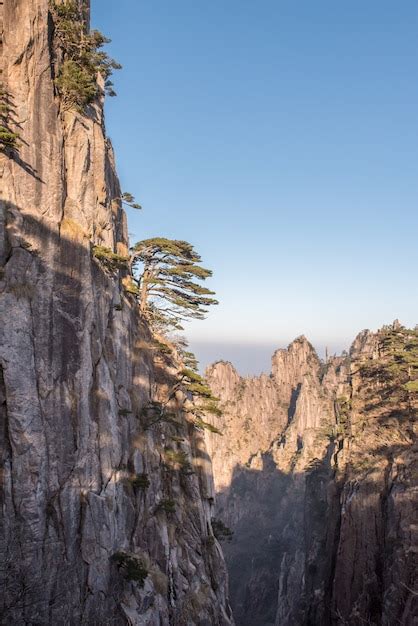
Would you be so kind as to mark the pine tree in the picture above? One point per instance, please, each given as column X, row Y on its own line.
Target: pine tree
column 128, row 199
column 8, row 138
column 393, row 376
column 82, row 56
column 167, row 272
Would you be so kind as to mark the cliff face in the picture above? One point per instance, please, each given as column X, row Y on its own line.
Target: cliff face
column 316, row 475
column 90, row 498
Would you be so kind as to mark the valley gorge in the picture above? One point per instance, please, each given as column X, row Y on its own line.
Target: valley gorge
column 316, row 476
column 115, row 500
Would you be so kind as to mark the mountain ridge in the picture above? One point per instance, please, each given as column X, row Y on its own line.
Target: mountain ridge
column 309, row 466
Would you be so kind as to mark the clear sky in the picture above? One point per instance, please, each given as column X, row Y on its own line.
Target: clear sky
column 279, row 137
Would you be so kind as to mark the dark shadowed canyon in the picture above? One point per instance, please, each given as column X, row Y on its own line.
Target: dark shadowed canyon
column 122, row 468
column 316, row 476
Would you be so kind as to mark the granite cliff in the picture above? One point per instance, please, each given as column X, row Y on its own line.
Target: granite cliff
column 107, row 512
column 106, row 517
column 316, row 475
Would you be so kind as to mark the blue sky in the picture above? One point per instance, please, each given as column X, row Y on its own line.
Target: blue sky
column 279, row 137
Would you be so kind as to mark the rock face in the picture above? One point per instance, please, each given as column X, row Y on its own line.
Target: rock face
column 316, row 475
column 86, row 488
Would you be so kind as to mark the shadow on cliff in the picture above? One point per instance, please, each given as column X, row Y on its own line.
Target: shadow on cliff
column 13, row 152
column 54, row 268
column 283, row 559
column 69, row 312
column 55, row 292
column 265, row 510
column 76, row 299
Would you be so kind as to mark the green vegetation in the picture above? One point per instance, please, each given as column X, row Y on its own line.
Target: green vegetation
column 342, row 406
column 241, row 389
column 110, row 260
column 167, row 271
column 391, row 379
column 211, row 406
column 131, row 567
column 200, row 389
column 176, row 457
column 164, row 278
column 191, row 375
column 204, row 402
column 199, row 423
column 209, row 541
column 83, row 57
column 155, row 412
column 220, row 530
column 128, row 199
column 130, row 286
column 166, row 505
column 195, row 383
column 411, row 386
column 76, row 85
column 8, row 139
column 140, row 481
column 189, row 359
column 178, row 460
column 162, row 347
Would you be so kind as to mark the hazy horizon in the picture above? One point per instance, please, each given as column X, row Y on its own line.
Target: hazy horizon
column 281, row 140
column 250, row 359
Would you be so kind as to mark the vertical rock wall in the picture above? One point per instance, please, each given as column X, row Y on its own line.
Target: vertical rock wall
column 77, row 368
column 320, row 489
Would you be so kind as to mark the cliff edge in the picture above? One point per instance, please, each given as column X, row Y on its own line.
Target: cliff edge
column 316, row 475
column 100, row 522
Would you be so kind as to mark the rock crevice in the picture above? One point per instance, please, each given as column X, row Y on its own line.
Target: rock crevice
column 83, row 480
column 316, row 475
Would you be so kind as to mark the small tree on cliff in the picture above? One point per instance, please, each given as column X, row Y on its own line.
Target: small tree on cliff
column 128, row 199
column 82, row 56
column 392, row 378
column 167, row 272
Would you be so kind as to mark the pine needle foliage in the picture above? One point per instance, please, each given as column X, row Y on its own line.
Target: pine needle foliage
column 221, row 530
column 82, row 56
column 131, row 567
column 167, row 505
column 411, row 386
column 130, row 286
column 128, row 199
column 393, row 376
column 140, row 481
column 189, row 359
column 199, row 423
column 157, row 413
column 109, row 259
column 177, row 459
column 8, row 138
column 191, row 375
column 204, row 402
column 168, row 272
